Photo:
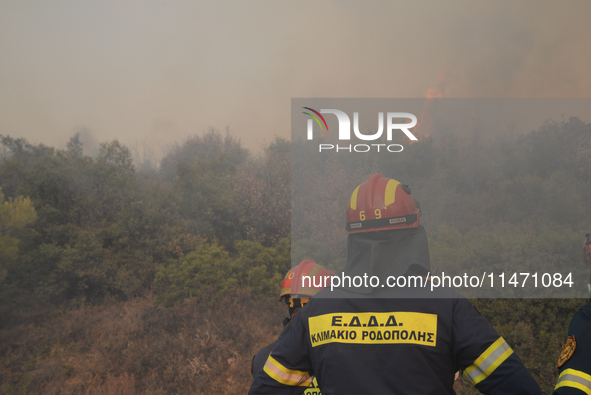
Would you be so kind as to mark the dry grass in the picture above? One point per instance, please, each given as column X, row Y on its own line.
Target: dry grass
column 137, row 347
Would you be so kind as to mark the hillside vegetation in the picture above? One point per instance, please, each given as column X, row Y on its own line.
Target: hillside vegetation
column 115, row 280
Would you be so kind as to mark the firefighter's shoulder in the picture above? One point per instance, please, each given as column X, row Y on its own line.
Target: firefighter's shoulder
column 574, row 359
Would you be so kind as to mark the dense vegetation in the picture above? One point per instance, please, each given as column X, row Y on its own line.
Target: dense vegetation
column 156, row 281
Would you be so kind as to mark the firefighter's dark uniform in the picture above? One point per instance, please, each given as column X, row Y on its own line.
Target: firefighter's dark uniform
column 381, row 344
column 390, row 340
column 575, row 372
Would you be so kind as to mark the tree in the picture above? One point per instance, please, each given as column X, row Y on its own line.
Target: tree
column 15, row 214
column 264, row 191
column 211, row 272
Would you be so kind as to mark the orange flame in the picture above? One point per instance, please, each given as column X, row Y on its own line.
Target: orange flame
column 438, row 90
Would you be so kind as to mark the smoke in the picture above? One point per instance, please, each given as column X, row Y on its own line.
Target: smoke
column 156, row 72
column 90, row 145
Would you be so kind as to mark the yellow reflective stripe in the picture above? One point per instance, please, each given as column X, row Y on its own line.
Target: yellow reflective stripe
column 482, row 358
column 575, row 379
column 354, row 199
column 390, row 195
column 488, row 361
column 286, row 376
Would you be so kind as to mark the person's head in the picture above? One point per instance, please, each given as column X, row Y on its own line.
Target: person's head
column 385, row 235
column 301, row 283
column 382, row 204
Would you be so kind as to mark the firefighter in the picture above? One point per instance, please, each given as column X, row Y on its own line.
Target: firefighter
column 574, row 362
column 299, row 285
column 372, row 339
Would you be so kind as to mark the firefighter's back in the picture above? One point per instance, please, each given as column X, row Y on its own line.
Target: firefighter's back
column 382, row 345
column 399, row 343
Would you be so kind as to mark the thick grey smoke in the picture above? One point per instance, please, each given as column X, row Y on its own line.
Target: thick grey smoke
column 154, row 72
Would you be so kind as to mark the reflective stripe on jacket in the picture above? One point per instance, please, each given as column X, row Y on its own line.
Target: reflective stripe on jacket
column 575, row 373
column 393, row 346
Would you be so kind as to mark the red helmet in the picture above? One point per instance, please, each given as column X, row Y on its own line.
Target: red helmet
column 305, row 280
column 587, row 250
column 381, row 204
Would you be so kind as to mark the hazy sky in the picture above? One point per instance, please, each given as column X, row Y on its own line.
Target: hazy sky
column 152, row 72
